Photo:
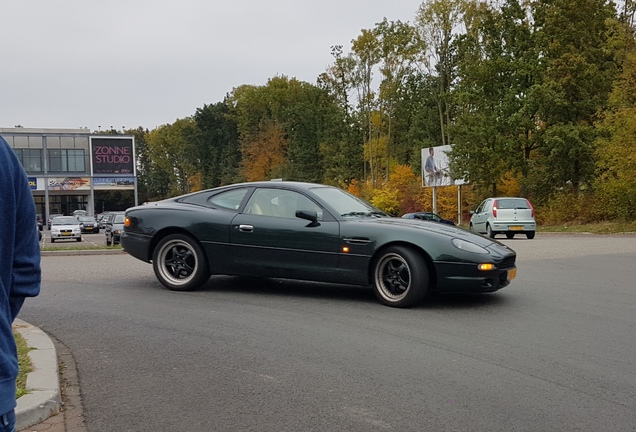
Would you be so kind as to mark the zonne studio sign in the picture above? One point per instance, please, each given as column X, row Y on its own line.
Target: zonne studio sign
column 113, row 155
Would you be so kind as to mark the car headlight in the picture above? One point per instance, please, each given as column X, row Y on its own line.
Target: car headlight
column 468, row 246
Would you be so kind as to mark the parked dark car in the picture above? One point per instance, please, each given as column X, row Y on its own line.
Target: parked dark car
column 114, row 228
column 88, row 224
column 428, row 216
column 308, row 231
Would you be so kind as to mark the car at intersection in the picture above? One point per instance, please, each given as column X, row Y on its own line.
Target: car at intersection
column 307, row 231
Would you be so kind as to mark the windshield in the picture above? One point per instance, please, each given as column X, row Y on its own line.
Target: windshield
column 119, row 219
column 347, row 205
column 64, row 220
column 86, row 219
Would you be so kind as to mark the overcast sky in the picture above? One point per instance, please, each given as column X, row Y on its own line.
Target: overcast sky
column 129, row 63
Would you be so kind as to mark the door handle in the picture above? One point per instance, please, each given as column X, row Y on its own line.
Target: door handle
column 246, row 228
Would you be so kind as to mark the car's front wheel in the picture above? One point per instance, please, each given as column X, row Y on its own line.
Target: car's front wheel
column 108, row 242
column 400, row 277
column 179, row 263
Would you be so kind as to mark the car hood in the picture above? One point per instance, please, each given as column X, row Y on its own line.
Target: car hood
column 65, row 227
column 434, row 228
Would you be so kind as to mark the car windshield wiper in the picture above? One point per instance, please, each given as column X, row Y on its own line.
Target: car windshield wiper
column 365, row 213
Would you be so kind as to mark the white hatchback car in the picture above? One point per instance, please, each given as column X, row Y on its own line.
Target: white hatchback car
column 504, row 215
column 65, row 227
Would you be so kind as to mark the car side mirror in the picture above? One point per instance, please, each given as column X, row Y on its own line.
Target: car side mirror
column 310, row 215
column 472, row 212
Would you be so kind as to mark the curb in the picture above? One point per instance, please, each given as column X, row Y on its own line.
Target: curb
column 43, row 384
column 83, row 252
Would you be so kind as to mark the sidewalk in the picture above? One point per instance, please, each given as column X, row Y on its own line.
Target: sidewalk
column 53, row 403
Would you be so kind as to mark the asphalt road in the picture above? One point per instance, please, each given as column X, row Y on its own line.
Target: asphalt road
column 554, row 351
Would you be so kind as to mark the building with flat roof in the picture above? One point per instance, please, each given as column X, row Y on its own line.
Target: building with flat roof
column 66, row 167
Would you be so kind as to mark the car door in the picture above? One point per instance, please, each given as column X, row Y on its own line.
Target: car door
column 268, row 239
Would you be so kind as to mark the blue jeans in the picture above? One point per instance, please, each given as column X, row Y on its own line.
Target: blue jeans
column 7, row 422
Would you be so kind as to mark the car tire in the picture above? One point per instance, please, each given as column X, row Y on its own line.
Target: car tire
column 510, row 235
column 179, row 263
column 400, row 277
column 52, row 240
column 79, row 239
column 490, row 232
column 108, row 242
column 530, row 235
column 96, row 231
column 471, row 227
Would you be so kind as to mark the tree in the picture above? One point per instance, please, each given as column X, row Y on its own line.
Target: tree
column 173, row 149
column 437, row 22
column 400, row 47
column 579, row 71
column 616, row 145
column 217, row 145
column 366, row 53
column 264, row 152
column 152, row 180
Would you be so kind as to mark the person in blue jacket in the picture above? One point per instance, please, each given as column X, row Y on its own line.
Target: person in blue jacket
column 20, row 273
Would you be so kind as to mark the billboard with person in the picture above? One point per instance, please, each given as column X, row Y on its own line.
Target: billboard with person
column 435, row 167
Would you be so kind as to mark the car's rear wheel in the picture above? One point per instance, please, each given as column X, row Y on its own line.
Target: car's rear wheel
column 400, row 277
column 490, row 232
column 510, row 235
column 179, row 263
column 530, row 235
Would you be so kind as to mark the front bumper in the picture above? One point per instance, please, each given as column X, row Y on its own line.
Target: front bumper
column 63, row 236
column 466, row 278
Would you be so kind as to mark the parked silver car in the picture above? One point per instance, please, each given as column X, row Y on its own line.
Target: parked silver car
column 65, row 228
column 504, row 215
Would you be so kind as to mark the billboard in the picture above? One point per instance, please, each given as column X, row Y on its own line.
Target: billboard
column 110, row 183
column 435, row 167
column 112, row 155
column 69, row 183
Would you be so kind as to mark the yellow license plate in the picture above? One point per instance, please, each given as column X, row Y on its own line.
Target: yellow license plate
column 512, row 273
column 516, row 228
column 66, row 234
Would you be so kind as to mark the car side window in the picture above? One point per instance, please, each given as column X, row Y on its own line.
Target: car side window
column 230, row 200
column 280, row 203
column 481, row 207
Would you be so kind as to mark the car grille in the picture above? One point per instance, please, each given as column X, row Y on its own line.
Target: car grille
column 507, row 262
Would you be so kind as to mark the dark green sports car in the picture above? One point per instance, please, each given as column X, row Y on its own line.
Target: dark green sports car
column 306, row 231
